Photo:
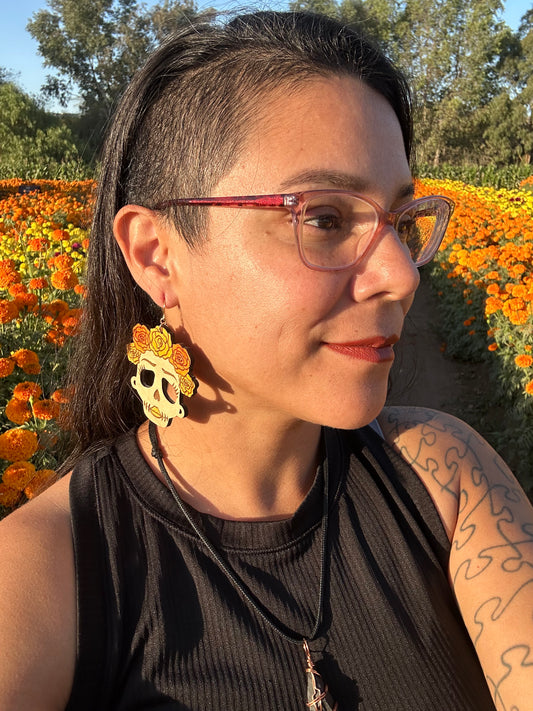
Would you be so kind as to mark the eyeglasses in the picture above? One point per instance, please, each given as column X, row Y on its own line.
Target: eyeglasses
column 335, row 228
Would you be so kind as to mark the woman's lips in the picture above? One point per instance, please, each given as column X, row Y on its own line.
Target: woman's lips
column 373, row 350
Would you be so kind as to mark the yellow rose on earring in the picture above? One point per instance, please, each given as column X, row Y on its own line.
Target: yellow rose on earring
column 160, row 342
column 187, row 385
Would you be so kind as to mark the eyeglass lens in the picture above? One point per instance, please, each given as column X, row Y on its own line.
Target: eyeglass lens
column 336, row 229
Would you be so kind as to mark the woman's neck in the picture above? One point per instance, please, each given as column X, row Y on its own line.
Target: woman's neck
column 238, row 468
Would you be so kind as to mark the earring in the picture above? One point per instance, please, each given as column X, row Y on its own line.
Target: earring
column 163, row 373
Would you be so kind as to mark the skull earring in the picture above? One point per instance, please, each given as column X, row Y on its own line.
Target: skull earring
column 163, row 374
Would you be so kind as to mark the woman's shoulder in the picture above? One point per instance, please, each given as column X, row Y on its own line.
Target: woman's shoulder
column 37, row 603
column 450, row 458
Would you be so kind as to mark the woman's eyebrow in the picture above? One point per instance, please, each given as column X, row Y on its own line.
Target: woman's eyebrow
column 341, row 181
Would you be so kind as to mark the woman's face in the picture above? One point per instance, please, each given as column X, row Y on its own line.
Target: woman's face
column 290, row 341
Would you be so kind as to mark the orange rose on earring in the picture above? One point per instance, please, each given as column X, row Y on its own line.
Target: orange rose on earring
column 141, row 338
column 181, row 360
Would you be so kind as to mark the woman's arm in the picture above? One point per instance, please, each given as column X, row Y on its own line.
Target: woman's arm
column 37, row 604
column 490, row 524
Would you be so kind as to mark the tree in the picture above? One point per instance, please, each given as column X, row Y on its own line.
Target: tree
column 95, row 47
column 450, row 51
column 33, row 143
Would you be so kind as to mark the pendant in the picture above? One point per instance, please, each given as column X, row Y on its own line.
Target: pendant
column 318, row 697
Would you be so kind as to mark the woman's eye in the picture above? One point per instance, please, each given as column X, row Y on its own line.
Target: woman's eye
column 323, row 221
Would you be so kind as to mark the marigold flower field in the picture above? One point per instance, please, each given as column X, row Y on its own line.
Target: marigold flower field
column 44, row 238
column 484, row 276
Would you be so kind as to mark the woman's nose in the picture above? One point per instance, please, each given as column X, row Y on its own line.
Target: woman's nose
column 387, row 269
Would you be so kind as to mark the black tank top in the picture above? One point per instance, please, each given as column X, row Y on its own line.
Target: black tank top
column 161, row 627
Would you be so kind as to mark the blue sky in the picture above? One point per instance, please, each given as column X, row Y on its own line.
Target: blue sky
column 18, row 50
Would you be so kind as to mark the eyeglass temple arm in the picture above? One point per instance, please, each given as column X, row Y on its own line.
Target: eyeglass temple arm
column 240, row 201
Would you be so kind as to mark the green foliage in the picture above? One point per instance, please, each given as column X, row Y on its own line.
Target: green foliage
column 508, row 177
column 35, row 144
column 95, row 47
column 472, row 77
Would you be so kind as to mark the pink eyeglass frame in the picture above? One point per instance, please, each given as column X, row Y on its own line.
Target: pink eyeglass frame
column 296, row 201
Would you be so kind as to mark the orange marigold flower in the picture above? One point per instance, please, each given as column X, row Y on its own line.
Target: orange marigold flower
column 37, row 244
column 17, row 289
column 493, row 289
column 18, row 444
column 524, row 361
column 55, row 310
column 59, row 235
column 64, row 279
column 56, row 337
column 63, row 261
column 529, row 388
column 18, row 475
column 28, row 361
column 42, row 479
column 46, row 409
column 8, row 310
column 7, row 366
column 70, row 325
column 38, row 283
column 7, row 278
column 61, row 395
column 9, row 497
column 80, row 289
column 27, row 301
column 493, row 275
column 18, row 411
column 493, row 347
column 27, row 390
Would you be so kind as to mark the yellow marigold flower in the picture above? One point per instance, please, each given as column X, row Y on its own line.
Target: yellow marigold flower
column 524, row 361
column 18, row 444
column 64, row 279
column 8, row 310
column 42, row 479
column 9, row 497
column 18, row 411
column 27, row 390
column 7, row 366
column 18, row 475
column 46, row 409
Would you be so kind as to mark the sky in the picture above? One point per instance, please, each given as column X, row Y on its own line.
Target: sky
column 19, row 55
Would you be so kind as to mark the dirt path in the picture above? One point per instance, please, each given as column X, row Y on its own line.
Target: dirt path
column 423, row 375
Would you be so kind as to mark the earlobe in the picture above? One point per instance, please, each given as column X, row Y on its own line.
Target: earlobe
column 143, row 240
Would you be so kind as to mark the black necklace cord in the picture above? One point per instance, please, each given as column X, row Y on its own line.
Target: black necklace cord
column 230, row 573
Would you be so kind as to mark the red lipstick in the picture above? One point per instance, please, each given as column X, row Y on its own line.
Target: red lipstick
column 374, row 350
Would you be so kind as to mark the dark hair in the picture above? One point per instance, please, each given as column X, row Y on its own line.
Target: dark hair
column 178, row 129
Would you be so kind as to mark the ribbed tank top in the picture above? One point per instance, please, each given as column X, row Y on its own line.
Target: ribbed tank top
column 161, row 627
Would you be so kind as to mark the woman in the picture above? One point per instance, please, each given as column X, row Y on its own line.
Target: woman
column 275, row 548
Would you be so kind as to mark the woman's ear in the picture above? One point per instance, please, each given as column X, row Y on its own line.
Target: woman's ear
column 143, row 239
